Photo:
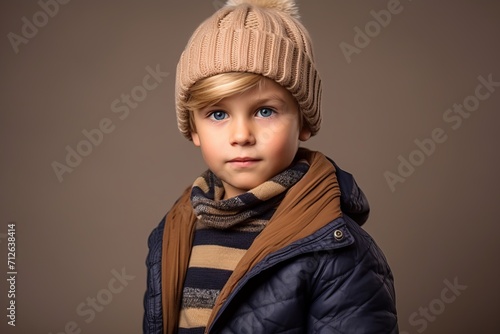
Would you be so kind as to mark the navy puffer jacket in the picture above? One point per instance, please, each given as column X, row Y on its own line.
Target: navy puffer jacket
column 336, row 280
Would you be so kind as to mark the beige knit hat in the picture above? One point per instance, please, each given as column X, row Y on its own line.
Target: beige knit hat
column 257, row 36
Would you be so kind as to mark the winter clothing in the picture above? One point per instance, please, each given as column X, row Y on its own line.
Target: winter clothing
column 257, row 36
column 249, row 208
column 224, row 230
column 312, row 269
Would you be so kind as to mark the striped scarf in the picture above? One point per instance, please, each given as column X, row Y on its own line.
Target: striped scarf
column 225, row 229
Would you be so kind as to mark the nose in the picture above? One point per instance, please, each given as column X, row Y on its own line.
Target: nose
column 242, row 133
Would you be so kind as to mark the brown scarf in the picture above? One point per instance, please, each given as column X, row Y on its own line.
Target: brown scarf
column 312, row 203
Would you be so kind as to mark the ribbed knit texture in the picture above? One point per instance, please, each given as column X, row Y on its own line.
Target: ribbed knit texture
column 255, row 39
column 224, row 231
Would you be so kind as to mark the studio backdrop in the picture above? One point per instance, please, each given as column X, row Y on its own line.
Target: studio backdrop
column 91, row 157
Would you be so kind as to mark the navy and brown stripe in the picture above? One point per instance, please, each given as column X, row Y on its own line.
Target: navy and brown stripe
column 214, row 256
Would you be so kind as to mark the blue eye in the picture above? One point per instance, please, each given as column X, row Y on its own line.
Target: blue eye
column 218, row 115
column 265, row 112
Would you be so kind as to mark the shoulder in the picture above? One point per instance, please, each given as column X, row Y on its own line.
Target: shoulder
column 155, row 243
column 342, row 259
column 354, row 283
column 356, row 250
column 152, row 319
column 337, row 251
column 178, row 211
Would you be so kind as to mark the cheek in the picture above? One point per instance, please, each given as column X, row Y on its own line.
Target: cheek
column 284, row 144
column 280, row 133
column 211, row 148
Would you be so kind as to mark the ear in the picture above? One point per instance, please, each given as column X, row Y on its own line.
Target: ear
column 305, row 133
column 196, row 139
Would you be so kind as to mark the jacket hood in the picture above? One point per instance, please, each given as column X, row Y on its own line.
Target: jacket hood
column 353, row 201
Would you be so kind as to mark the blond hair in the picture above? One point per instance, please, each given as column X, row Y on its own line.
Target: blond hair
column 211, row 90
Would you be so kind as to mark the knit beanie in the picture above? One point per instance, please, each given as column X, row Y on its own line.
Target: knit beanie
column 257, row 36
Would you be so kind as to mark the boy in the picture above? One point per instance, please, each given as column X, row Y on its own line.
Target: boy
column 268, row 239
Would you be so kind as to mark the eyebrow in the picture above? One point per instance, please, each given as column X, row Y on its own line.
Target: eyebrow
column 273, row 98
column 257, row 101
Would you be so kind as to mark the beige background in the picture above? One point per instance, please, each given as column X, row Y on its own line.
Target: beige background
column 440, row 224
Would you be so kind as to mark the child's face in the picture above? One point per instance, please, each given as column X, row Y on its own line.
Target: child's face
column 248, row 138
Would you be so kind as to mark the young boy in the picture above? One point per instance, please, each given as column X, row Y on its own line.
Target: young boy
column 268, row 239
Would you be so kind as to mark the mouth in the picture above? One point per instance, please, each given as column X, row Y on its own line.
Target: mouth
column 243, row 161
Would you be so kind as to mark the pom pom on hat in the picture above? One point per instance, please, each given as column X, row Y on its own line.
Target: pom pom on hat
column 287, row 6
column 256, row 36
